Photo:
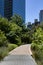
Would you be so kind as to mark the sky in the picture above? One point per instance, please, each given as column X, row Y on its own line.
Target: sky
column 33, row 8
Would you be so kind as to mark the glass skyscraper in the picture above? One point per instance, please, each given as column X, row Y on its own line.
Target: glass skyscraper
column 41, row 16
column 10, row 7
column 6, row 8
column 19, row 7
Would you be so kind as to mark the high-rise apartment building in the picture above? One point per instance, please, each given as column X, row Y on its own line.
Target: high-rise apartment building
column 41, row 16
column 11, row 7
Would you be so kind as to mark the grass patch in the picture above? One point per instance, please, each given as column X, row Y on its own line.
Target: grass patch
column 12, row 46
column 5, row 50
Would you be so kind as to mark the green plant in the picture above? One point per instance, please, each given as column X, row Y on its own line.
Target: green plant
column 37, row 45
column 3, row 39
column 12, row 46
column 3, row 52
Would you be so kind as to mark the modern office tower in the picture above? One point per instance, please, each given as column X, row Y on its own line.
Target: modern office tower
column 19, row 8
column 8, row 4
column 41, row 16
column 10, row 7
column 6, row 8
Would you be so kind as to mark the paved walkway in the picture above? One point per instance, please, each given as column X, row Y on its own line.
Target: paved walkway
column 19, row 56
column 22, row 50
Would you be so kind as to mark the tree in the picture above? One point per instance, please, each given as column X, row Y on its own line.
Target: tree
column 38, row 36
column 4, row 25
column 14, row 33
column 17, row 19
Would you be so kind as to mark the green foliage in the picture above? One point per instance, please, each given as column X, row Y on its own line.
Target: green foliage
column 38, row 36
column 26, row 38
column 3, row 39
column 37, row 45
column 3, row 52
column 14, row 33
column 4, row 25
column 11, row 29
column 37, row 52
column 17, row 19
column 11, row 46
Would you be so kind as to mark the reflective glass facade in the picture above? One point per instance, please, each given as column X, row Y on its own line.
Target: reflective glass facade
column 19, row 7
column 2, row 7
column 41, row 16
column 11, row 7
column 8, row 8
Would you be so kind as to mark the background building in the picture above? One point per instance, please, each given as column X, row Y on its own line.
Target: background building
column 41, row 16
column 19, row 8
column 29, row 25
column 8, row 4
column 6, row 8
column 11, row 7
column 36, row 20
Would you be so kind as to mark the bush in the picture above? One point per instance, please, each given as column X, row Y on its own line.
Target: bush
column 37, row 50
column 26, row 38
column 4, row 25
column 18, row 41
column 12, row 46
column 3, row 52
column 3, row 39
column 33, row 46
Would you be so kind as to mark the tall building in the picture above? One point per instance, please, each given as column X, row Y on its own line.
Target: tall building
column 6, row 8
column 10, row 7
column 41, row 16
column 35, row 20
column 29, row 25
column 19, row 7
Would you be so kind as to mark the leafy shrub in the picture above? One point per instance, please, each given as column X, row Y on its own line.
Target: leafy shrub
column 3, row 52
column 37, row 46
column 14, row 33
column 18, row 41
column 26, row 38
column 3, row 39
column 12, row 46
column 37, row 52
column 4, row 25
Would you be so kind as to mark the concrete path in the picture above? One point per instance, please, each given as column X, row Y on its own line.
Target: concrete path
column 22, row 50
column 18, row 60
column 19, row 56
